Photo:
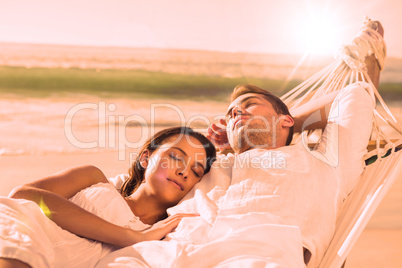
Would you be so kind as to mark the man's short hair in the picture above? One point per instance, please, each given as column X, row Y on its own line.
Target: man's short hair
column 277, row 103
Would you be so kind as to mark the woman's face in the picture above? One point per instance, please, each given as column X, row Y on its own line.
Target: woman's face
column 174, row 168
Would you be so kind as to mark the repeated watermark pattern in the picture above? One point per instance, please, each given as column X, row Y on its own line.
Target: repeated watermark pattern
column 112, row 132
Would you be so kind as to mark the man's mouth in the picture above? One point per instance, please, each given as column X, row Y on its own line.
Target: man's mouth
column 239, row 120
column 177, row 184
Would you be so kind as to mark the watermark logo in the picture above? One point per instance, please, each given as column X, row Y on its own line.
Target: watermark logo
column 112, row 129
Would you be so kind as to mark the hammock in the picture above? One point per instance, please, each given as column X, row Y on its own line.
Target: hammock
column 383, row 163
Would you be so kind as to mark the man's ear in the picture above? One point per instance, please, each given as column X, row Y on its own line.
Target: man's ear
column 287, row 121
column 144, row 157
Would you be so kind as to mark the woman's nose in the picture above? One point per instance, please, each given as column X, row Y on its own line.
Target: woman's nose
column 183, row 173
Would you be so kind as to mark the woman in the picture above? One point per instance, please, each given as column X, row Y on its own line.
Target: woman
column 84, row 207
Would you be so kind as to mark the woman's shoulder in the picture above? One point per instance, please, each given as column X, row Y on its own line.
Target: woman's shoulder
column 118, row 180
column 105, row 201
column 97, row 193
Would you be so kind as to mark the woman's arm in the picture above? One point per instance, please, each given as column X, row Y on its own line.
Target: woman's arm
column 54, row 191
column 303, row 114
column 65, row 183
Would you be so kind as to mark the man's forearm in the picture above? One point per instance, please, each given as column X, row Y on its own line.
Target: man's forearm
column 313, row 114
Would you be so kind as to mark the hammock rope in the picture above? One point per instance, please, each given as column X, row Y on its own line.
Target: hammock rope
column 383, row 163
column 349, row 68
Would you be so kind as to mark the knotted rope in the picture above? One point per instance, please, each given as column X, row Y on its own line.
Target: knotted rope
column 367, row 42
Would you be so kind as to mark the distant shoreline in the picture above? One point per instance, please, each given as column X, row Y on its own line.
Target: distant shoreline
column 176, row 61
column 66, row 46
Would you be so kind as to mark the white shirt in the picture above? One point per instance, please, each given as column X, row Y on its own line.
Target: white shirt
column 291, row 186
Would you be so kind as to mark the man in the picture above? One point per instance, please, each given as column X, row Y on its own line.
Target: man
column 300, row 187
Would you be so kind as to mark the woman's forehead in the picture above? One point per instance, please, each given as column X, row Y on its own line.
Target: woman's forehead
column 187, row 143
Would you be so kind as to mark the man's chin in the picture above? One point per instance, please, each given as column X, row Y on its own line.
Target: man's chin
column 239, row 129
column 240, row 146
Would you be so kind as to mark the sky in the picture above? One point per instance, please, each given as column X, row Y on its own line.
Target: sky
column 268, row 26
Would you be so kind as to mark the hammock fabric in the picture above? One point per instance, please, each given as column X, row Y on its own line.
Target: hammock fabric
column 383, row 163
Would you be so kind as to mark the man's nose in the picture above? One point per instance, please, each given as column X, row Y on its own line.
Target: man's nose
column 237, row 110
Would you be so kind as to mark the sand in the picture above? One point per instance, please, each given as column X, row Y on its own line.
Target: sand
column 377, row 248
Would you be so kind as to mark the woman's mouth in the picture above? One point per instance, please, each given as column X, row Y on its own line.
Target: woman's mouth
column 177, row 184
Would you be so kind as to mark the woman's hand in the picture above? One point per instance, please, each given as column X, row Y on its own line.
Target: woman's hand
column 160, row 229
column 218, row 136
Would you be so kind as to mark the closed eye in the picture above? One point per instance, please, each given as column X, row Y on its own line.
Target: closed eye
column 175, row 157
column 250, row 104
column 196, row 174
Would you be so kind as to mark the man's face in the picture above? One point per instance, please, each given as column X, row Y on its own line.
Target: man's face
column 252, row 123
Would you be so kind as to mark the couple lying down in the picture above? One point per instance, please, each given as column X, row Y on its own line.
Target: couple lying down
column 269, row 203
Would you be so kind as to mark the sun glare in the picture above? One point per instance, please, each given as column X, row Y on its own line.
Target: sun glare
column 319, row 34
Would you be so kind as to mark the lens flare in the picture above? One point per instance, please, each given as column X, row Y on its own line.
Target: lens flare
column 319, row 31
column 45, row 208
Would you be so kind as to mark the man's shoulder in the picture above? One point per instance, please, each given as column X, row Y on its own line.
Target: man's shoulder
column 223, row 161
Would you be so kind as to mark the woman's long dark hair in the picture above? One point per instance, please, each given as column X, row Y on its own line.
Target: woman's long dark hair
column 136, row 171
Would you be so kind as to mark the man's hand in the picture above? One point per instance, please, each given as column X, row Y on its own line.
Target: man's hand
column 218, row 136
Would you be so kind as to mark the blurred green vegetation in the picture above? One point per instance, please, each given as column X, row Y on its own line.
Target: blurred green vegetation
column 45, row 82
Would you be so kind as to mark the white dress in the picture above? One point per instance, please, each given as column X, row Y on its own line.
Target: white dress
column 26, row 234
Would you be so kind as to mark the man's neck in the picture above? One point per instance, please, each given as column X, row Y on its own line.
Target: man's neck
column 265, row 147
